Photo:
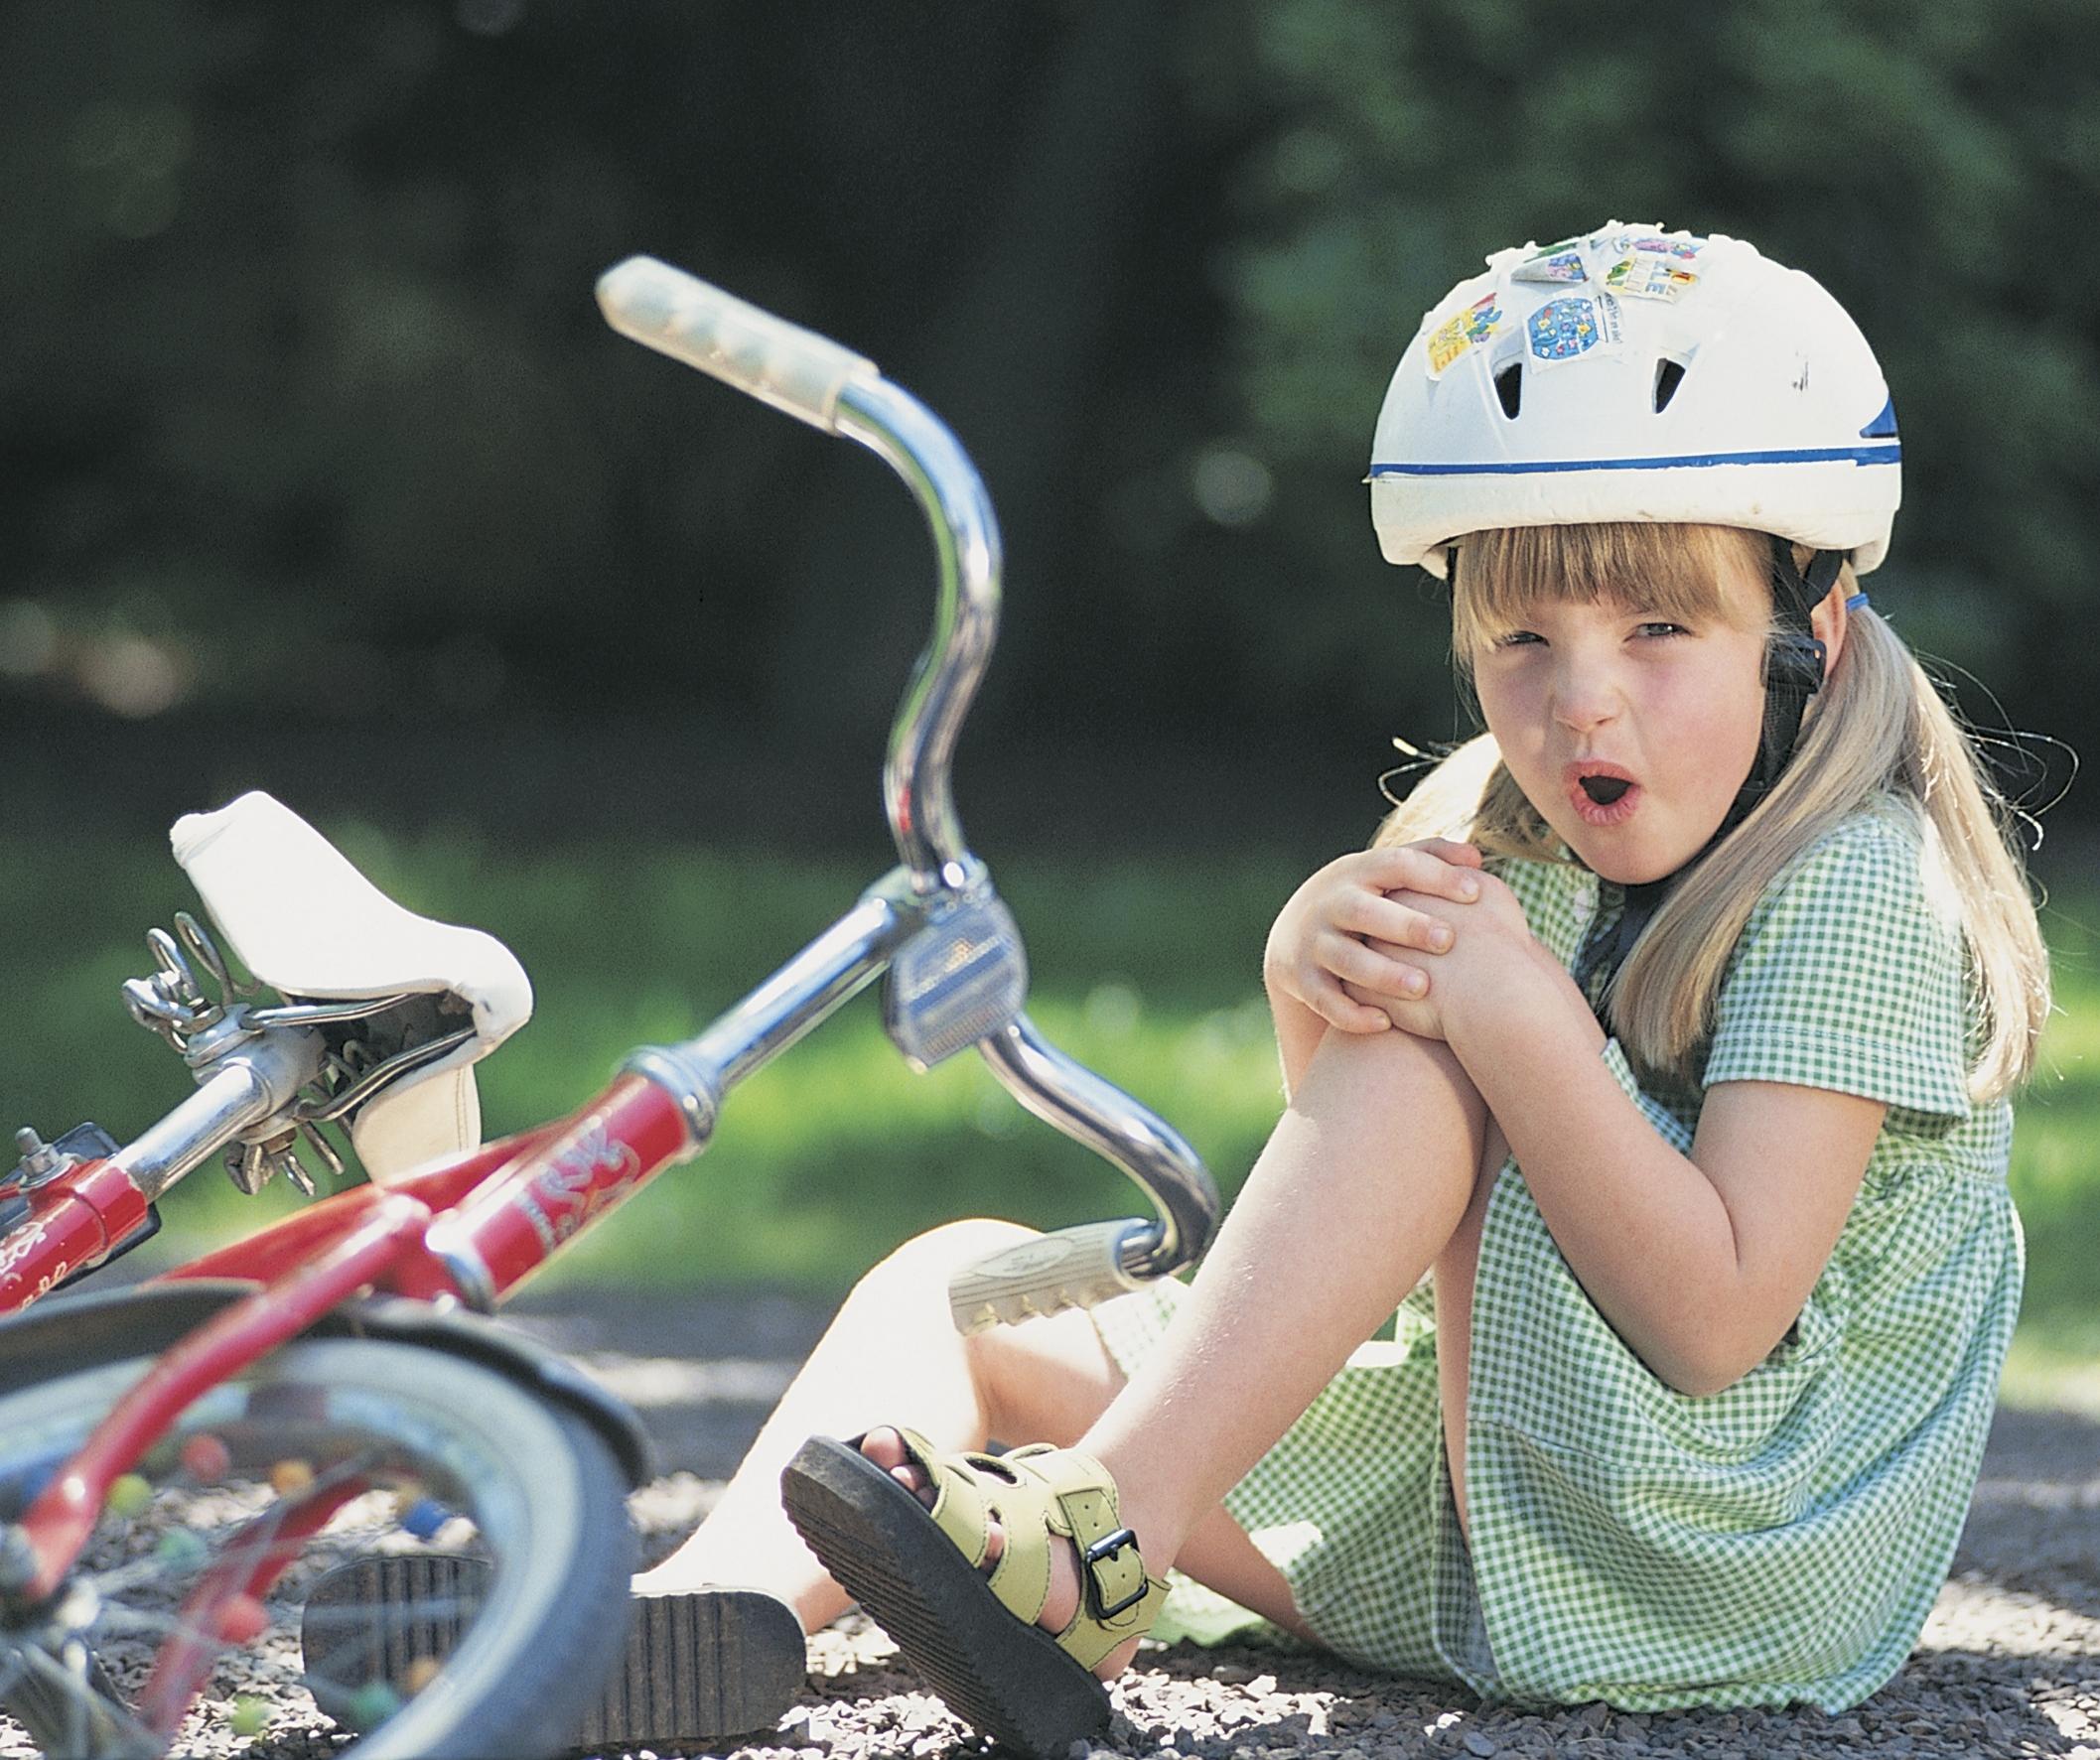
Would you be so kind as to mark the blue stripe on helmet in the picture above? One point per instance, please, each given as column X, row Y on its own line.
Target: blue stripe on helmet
column 1813, row 455
column 1882, row 427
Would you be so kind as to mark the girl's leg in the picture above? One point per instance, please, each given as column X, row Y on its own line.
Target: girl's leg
column 1363, row 1185
column 1455, row 1267
column 893, row 1356
column 1362, row 1188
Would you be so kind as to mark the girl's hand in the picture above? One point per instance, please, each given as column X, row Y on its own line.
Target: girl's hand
column 1490, row 965
column 1341, row 946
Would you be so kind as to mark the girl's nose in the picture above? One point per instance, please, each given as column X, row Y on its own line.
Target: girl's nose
column 1584, row 695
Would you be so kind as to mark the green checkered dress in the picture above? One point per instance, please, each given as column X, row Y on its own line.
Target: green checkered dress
column 1780, row 1540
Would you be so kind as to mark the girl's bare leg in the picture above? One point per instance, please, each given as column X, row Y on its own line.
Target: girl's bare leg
column 1363, row 1186
column 1360, row 1188
column 893, row 1356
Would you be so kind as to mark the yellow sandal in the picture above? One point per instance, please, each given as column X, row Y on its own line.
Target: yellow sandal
column 973, row 1635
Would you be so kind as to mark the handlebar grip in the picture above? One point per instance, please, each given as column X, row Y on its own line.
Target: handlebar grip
column 780, row 363
column 1073, row 1267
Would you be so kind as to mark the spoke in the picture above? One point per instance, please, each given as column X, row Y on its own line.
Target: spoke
column 83, row 1702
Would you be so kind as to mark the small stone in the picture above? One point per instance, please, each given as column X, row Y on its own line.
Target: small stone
column 1478, row 1741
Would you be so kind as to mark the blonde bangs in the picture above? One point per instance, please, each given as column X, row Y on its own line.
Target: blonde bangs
column 1679, row 572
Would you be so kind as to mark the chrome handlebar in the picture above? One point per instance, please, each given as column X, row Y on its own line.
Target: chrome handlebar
column 941, row 898
column 952, row 955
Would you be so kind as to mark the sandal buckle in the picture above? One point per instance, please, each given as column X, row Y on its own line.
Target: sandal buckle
column 1107, row 1546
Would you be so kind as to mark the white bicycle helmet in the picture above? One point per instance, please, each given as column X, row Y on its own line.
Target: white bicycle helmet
column 1637, row 375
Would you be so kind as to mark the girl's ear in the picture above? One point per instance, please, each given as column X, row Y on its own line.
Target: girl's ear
column 1827, row 622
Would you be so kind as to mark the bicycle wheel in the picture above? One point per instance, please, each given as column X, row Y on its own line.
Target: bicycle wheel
column 375, row 1446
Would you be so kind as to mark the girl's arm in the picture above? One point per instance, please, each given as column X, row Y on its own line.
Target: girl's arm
column 1321, row 942
column 1701, row 1262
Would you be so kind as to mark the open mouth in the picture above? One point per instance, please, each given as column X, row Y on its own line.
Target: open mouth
column 1602, row 793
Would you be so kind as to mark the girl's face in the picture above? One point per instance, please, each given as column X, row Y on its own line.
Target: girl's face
column 1629, row 722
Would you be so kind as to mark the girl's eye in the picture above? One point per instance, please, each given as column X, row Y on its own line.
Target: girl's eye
column 1513, row 638
column 1659, row 629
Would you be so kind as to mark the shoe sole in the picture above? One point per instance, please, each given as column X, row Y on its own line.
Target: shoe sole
column 698, row 1667
column 1009, row 1680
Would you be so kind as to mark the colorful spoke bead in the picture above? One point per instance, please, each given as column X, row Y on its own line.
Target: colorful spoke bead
column 206, row 1458
column 242, row 1618
column 289, row 1477
column 182, row 1548
column 249, row 1716
column 129, row 1494
column 425, row 1517
column 371, row 1704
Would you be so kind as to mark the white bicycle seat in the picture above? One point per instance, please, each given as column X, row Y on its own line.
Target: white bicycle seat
column 300, row 917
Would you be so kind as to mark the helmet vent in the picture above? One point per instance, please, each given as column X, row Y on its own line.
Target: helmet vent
column 1668, row 375
column 1509, row 387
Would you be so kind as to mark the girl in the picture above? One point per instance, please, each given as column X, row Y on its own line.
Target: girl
column 1654, row 1061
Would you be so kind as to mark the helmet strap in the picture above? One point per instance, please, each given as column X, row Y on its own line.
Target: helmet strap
column 1795, row 664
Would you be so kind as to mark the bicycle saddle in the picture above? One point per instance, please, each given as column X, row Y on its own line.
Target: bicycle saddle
column 301, row 917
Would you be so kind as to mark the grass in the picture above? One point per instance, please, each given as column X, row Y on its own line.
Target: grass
column 823, row 1161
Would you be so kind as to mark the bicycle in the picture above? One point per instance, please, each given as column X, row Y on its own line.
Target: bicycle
column 178, row 1460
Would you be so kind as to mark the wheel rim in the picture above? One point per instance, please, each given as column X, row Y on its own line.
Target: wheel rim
column 448, row 1457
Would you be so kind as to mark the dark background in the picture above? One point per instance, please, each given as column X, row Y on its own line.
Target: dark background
column 318, row 469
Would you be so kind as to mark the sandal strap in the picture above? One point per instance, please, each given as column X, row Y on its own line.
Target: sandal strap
column 1033, row 1493
column 1118, row 1599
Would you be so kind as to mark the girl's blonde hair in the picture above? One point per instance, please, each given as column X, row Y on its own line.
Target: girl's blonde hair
column 1878, row 725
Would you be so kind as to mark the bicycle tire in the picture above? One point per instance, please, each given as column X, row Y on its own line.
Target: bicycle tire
column 542, row 1490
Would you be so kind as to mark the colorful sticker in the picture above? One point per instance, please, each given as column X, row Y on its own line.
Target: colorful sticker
column 1560, row 330
column 1649, row 277
column 1653, row 243
column 1476, row 323
column 1561, row 265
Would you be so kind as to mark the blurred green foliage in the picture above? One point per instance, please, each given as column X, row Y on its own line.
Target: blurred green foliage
column 304, row 406
column 1149, row 972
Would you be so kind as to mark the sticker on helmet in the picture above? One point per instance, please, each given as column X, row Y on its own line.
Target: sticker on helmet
column 1557, row 265
column 1649, row 277
column 1474, row 325
column 1563, row 329
column 1682, row 246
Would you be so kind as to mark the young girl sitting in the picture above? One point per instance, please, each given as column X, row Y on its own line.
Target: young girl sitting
column 1652, row 1062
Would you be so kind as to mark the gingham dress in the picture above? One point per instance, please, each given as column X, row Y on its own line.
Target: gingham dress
column 1782, row 1540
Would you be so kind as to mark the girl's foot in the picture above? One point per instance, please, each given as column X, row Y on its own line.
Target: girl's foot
column 886, row 1448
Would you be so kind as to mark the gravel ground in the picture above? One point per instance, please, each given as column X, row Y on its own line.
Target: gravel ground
column 2007, row 1665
